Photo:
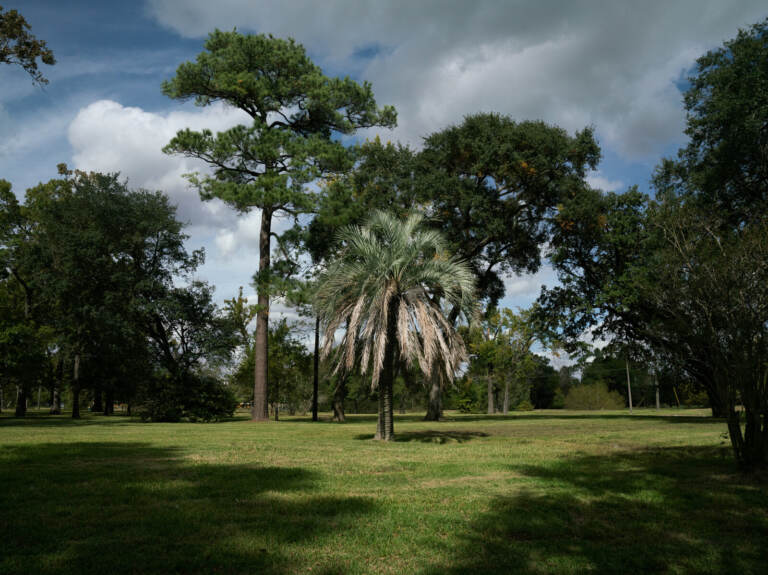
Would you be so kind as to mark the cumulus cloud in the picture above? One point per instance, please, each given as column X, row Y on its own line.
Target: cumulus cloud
column 597, row 181
column 109, row 137
column 614, row 65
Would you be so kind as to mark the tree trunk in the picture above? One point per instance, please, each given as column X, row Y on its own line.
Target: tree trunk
column 718, row 406
column 98, row 404
column 491, row 406
column 58, row 382
column 316, row 375
column 260, row 410
column 76, row 388
column 380, row 419
column 658, row 400
column 339, row 394
column 1, row 397
column 629, row 387
column 109, row 402
column 435, row 401
column 506, row 396
column 21, row 401
column 387, row 376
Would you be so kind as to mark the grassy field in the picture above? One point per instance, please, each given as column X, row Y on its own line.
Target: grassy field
column 543, row 492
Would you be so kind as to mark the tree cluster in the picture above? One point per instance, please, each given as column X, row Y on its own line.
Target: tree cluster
column 89, row 271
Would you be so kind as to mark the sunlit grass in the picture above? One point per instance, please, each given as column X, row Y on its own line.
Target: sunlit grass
column 543, row 492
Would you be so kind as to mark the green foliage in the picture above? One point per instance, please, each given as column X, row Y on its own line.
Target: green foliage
column 491, row 184
column 199, row 397
column 295, row 109
column 593, row 396
column 724, row 165
column 468, row 399
column 384, row 290
column 524, row 405
column 19, row 46
column 545, row 385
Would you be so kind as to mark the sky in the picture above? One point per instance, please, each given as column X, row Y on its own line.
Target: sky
column 617, row 65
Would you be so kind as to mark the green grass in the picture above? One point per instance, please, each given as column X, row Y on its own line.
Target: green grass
column 544, row 492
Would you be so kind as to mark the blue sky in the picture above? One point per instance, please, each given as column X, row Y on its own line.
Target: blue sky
column 618, row 66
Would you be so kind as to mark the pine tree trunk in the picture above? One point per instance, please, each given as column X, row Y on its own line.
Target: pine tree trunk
column 316, row 375
column 435, row 401
column 76, row 388
column 260, row 410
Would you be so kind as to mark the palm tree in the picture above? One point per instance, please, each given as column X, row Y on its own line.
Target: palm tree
column 387, row 286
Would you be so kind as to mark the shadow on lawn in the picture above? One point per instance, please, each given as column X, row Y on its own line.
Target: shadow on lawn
column 138, row 508
column 595, row 415
column 431, row 436
column 671, row 510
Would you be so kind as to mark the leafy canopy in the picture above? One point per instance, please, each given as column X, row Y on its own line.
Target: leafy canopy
column 19, row 46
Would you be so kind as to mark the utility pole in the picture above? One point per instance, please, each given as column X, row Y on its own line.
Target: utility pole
column 629, row 386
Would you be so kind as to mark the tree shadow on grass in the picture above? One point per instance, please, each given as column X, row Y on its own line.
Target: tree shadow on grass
column 673, row 510
column 138, row 508
column 595, row 415
column 431, row 436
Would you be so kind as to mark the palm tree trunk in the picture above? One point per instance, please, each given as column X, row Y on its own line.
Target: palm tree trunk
column 386, row 381
column 339, row 394
column 260, row 410
column 435, row 401
column 380, row 419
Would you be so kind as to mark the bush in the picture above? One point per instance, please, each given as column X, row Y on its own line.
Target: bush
column 524, row 405
column 199, row 398
column 210, row 401
column 593, row 396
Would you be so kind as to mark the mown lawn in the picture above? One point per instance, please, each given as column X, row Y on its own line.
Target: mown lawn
column 544, row 492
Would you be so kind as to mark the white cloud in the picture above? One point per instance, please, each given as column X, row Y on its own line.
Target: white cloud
column 598, row 182
column 108, row 137
column 610, row 64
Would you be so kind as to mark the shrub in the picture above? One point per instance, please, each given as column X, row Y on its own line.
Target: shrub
column 524, row 405
column 199, row 398
column 593, row 396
